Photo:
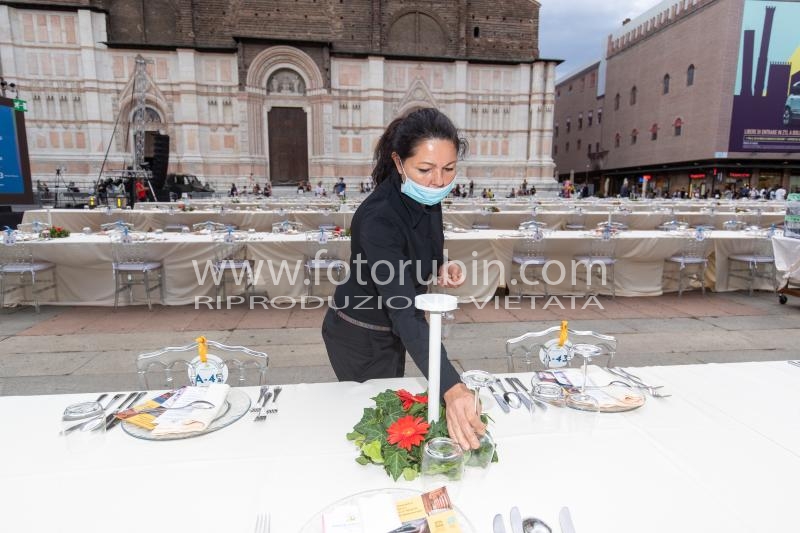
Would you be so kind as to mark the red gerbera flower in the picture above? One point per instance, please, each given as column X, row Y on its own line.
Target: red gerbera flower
column 407, row 431
column 408, row 399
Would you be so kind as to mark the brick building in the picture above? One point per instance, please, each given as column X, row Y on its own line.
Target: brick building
column 282, row 90
column 661, row 103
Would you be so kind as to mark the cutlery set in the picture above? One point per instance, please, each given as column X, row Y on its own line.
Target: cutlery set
column 514, row 399
column 530, row 524
column 264, row 397
column 636, row 382
column 111, row 420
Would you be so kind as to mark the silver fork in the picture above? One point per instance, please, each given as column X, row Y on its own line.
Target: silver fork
column 262, row 523
column 638, row 383
column 262, row 413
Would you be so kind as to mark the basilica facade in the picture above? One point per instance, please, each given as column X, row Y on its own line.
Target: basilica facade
column 285, row 91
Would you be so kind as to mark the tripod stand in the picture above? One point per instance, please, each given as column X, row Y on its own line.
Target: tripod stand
column 60, row 171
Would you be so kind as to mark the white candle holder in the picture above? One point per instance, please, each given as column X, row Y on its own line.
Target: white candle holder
column 435, row 304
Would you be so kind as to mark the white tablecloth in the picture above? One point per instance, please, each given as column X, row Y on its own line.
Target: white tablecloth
column 84, row 264
column 722, row 454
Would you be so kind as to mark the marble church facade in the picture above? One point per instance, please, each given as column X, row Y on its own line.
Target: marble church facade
column 260, row 107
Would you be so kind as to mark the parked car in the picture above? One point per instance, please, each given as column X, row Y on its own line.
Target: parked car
column 791, row 111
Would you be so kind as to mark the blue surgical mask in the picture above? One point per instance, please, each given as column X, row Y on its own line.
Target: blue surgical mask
column 422, row 194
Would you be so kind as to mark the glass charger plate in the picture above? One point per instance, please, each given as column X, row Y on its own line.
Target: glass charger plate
column 236, row 405
column 314, row 525
column 610, row 399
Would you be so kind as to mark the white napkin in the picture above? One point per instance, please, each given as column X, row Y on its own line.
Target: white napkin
column 190, row 420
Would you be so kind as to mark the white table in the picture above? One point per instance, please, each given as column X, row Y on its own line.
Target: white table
column 722, row 454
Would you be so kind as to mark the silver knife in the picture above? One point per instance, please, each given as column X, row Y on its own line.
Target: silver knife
column 498, row 526
column 500, row 401
column 539, row 403
column 792, row 362
column 524, row 399
column 516, row 520
column 565, row 519
column 263, row 411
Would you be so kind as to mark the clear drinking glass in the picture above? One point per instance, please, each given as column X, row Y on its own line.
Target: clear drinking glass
column 442, row 463
column 475, row 380
column 582, row 400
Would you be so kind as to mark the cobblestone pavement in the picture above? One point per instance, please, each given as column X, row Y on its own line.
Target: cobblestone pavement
column 91, row 349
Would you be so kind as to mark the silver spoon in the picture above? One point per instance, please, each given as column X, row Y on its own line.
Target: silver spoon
column 534, row 525
column 511, row 398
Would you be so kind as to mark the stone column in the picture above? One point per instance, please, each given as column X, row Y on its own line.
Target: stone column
column 187, row 119
column 100, row 130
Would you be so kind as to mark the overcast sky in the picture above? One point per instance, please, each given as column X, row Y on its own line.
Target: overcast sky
column 575, row 30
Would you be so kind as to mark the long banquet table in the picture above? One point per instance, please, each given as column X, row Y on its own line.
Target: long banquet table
column 721, row 454
column 262, row 220
column 84, row 263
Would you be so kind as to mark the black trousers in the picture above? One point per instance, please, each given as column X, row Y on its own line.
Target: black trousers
column 359, row 354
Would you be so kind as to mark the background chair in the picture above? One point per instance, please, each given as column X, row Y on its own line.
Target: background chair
column 692, row 262
column 600, row 261
column 133, row 265
column 542, row 346
column 241, row 363
column 757, row 263
column 19, row 270
column 529, row 256
column 231, row 264
column 209, row 225
column 576, row 220
column 117, row 225
column 317, row 261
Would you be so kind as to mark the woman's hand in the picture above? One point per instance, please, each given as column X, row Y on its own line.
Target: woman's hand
column 463, row 423
column 450, row 275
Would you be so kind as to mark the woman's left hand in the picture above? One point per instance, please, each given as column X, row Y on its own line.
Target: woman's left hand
column 450, row 275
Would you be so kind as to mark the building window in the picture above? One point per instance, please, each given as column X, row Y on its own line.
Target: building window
column 678, row 125
column 597, row 147
column 589, row 120
column 634, row 136
column 580, row 121
column 616, row 102
column 617, row 139
column 588, row 149
column 654, row 132
column 569, row 88
column 666, row 83
column 476, row 32
column 633, row 95
column 555, row 149
column 566, row 147
column 555, row 131
column 690, row 76
column 578, row 147
column 599, row 116
column 569, row 125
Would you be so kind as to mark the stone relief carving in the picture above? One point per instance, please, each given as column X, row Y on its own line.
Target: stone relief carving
column 286, row 82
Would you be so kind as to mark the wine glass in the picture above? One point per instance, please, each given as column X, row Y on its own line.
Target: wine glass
column 475, row 380
column 582, row 400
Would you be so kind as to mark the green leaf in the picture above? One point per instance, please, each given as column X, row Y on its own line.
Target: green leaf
column 354, row 435
column 370, row 426
column 390, row 406
column 372, row 450
column 418, row 409
column 410, row 474
column 362, row 460
column 395, row 461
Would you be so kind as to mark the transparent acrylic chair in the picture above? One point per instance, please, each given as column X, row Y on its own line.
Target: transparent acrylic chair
column 117, row 225
column 209, row 225
column 19, row 270
column 599, row 262
column 542, row 347
column 231, row 263
column 691, row 262
column 318, row 260
column 758, row 262
column 33, row 229
column 576, row 220
column 530, row 258
column 286, row 226
column 173, row 364
column 133, row 264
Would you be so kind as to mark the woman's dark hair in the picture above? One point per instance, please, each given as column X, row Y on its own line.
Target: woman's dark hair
column 404, row 134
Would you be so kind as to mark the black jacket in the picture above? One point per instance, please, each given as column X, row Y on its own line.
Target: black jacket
column 397, row 246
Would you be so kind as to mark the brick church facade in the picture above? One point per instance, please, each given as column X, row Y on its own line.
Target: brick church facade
column 282, row 90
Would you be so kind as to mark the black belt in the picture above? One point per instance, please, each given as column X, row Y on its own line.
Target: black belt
column 360, row 324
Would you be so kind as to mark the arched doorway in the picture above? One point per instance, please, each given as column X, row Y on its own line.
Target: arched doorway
column 287, row 128
column 416, row 33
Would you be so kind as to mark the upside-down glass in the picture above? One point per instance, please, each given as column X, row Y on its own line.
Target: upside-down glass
column 582, row 400
column 475, row 380
column 442, row 464
column 82, row 424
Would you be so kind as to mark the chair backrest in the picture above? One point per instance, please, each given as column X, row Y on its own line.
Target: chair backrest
column 117, row 225
column 543, row 346
column 533, row 245
column 532, row 225
column 229, row 247
column 696, row 247
column 14, row 250
column 209, row 225
column 603, row 246
column 175, row 364
column 285, row 226
column 33, row 228
column 130, row 248
column 576, row 218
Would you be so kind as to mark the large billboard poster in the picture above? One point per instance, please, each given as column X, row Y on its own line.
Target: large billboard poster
column 15, row 178
column 766, row 102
